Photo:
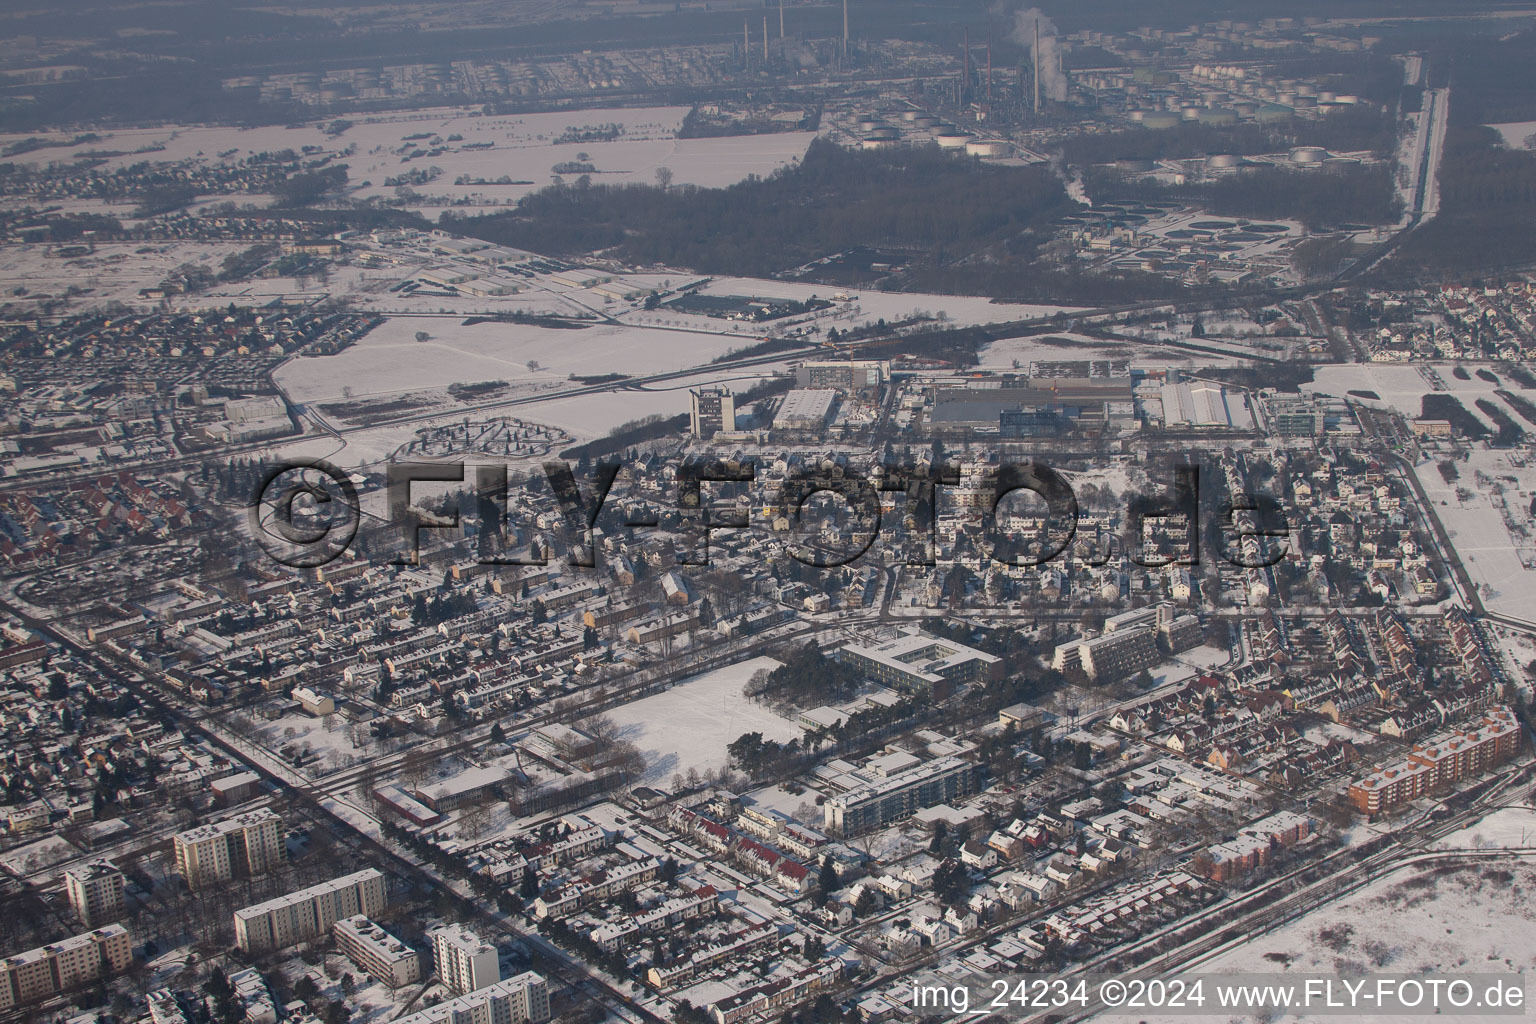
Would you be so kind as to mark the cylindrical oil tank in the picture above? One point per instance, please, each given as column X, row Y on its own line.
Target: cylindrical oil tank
column 986, row 148
column 1308, row 155
column 1222, row 161
column 1160, row 120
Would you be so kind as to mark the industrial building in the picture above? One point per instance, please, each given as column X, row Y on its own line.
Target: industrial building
column 376, row 952
column 309, row 913
column 523, row 999
column 918, row 663
column 62, row 966
column 1202, row 404
column 245, row 844
column 465, row 961
column 711, row 410
column 805, row 409
column 862, row 375
column 1035, row 405
column 95, row 892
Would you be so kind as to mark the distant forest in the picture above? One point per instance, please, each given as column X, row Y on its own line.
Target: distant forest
column 1357, row 128
column 1322, row 198
column 912, row 199
column 964, row 226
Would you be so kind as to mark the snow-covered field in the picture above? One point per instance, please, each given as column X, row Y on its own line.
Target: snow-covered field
column 521, row 149
column 690, row 725
column 1507, row 828
column 1190, row 664
column 1515, row 133
column 329, row 748
column 1490, row 524
column 389, row 359
column 1402, row 386
column 1476, row 918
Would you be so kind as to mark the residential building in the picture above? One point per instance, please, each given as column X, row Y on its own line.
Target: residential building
column 1115, row 654
column 710, row 410
column 309, row 913
column 895, row 797
column 465, row 961
column 523, row 999
column 62, row 966
column 377, row 952
column 1439, row 761
column 245, row 844
column 95, row 892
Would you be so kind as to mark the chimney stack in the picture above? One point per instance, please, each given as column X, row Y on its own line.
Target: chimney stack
column 965, row 67
column 1035, row 59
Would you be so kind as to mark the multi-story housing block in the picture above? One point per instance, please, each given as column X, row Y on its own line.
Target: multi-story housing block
column 377, row 952
column 245, row 844
column 309, row 913
column 465, row 961
column 95, row 892
column 48, row 970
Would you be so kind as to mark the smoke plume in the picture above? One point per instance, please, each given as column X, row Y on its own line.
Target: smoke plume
column 1053, row 80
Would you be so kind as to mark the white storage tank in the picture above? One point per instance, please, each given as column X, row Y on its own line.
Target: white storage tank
column 986, row 148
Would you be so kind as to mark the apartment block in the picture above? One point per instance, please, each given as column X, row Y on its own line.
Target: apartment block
column 465, row 961
column 377, row 952
column 95, row 892
column 898, row 795
column 523, row 999
column 245, row 844
column 1113, row 655
column 48, row 970
column 309, row 913
column 1439, row 761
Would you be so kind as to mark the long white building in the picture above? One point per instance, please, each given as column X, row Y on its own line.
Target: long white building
column 523, row 999
column 48, row 970
column 309, row 913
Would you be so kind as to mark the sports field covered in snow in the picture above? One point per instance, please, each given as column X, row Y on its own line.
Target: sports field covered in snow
column 690, row 725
